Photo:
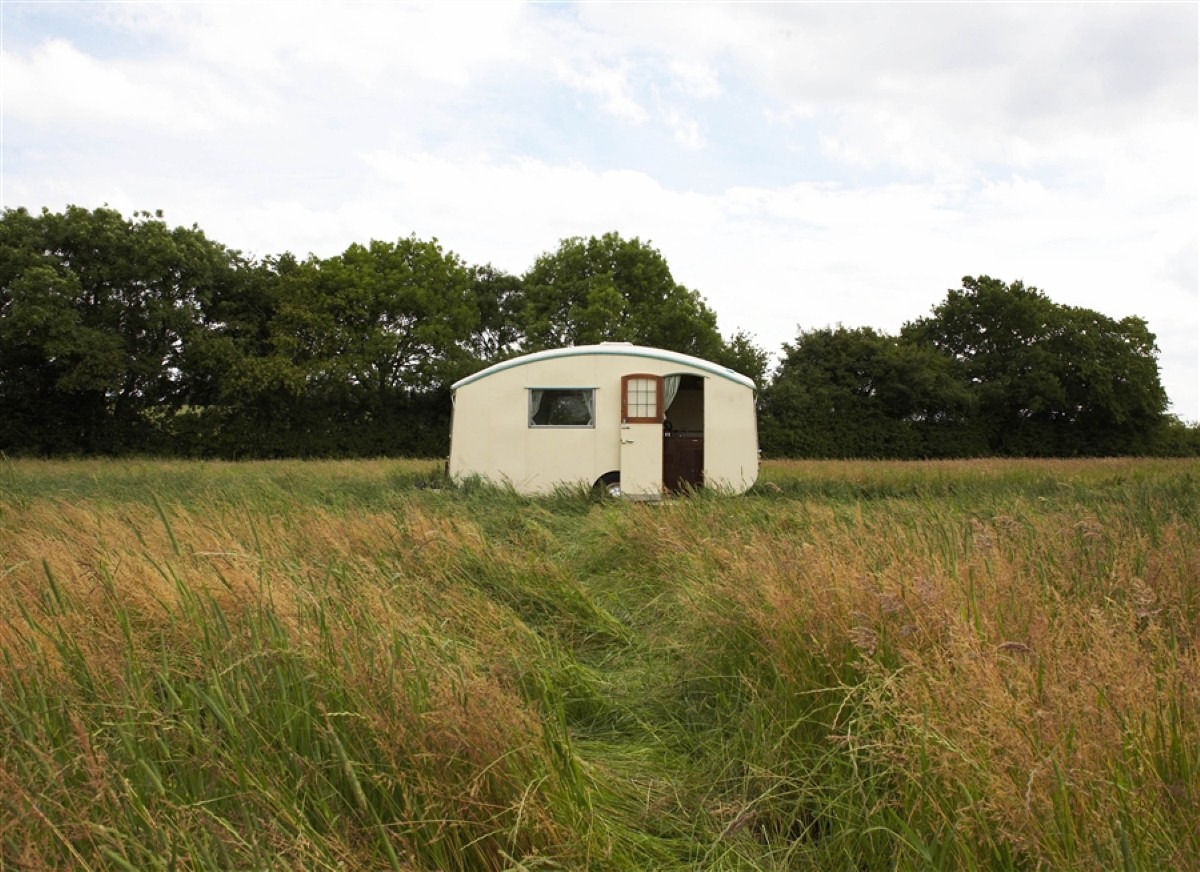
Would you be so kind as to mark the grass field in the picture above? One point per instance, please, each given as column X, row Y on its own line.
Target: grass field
column 346, row 665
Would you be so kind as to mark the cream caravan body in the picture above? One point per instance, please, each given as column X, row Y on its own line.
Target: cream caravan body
column 639, row 420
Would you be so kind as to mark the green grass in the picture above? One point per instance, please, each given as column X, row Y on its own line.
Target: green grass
column 864, row 666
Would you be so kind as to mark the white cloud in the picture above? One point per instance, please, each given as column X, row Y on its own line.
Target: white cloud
column 939, row 89
column 904, row 146
column 695, row 78
column 609, row 83
column 55, row 82
column 686, row 130
column 365, row 43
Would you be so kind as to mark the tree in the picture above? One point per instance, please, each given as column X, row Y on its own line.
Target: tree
column 382, row 317
column 95, row 310
column 377, row 334
column 854, row 392
column 742, row 355
column 1049, row 379
column 500, row 300
column 245, row 392
column 612, row 289
column 347, row 355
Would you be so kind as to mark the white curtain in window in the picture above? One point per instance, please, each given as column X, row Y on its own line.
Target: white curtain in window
column 670, row 389
column 535, row 402
column 589, row 398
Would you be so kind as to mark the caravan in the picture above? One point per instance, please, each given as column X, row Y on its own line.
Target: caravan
column 636, row 421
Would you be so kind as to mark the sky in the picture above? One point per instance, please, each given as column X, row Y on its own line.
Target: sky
column 800, row 165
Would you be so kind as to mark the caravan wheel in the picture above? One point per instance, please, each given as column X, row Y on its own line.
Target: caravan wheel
column 609, row 484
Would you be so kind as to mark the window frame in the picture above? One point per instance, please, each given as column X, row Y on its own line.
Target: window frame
column 530, row 411
column 658, row 398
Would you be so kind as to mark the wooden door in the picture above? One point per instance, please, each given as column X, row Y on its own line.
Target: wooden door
column 641, row 436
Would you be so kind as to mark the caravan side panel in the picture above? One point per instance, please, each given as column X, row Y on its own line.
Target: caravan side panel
column 730, row 436
column 492, row 437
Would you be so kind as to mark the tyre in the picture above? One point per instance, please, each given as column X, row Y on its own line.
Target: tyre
column 609, row 484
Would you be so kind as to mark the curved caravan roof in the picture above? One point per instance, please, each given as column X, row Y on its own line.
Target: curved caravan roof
column 617, row 349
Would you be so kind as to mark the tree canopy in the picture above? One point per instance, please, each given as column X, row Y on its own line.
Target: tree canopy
column 96, row 309
column 995, row 369
column 1047, row 378
column 854, row 392
column 613, row 289
column 126, row 335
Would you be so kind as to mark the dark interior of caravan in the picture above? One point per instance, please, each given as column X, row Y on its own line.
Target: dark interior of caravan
column 683, row 433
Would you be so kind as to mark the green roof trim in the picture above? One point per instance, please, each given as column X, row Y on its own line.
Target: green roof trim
column 613, row 349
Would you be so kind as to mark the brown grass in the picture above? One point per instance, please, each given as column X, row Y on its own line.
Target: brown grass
column 997, row 655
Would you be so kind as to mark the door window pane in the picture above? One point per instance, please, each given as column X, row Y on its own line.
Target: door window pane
column 641, row 401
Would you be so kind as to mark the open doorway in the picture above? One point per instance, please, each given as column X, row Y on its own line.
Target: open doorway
column 683, row 432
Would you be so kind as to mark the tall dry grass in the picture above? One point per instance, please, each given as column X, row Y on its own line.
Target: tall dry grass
column 1014, row 687
column 868, row 666
column 303, row 688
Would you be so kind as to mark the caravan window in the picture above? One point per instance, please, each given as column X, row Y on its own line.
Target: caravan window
column 641, row 399
column 562, row 407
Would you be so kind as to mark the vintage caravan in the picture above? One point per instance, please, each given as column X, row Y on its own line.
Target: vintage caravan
column 637, row 421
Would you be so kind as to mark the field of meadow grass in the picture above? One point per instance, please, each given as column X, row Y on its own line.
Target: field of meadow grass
column 352, row 665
